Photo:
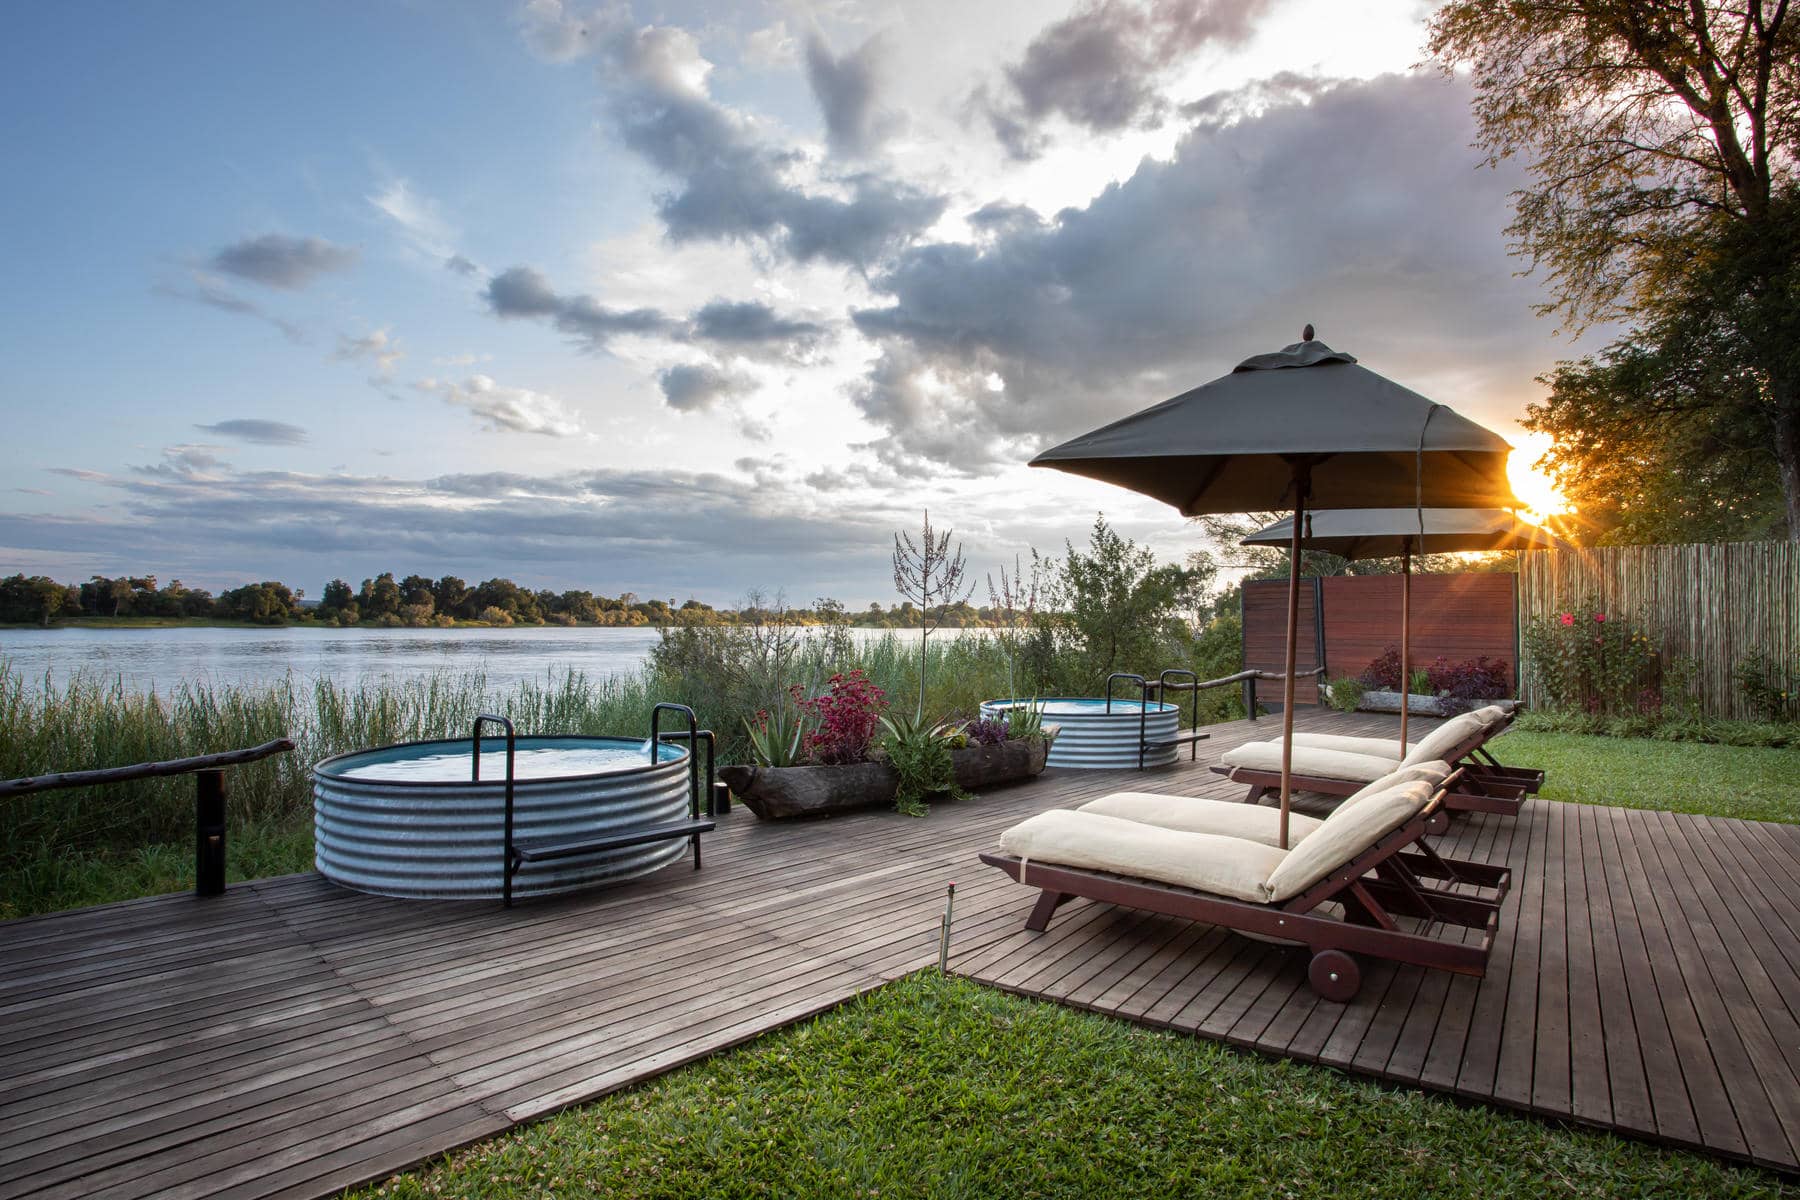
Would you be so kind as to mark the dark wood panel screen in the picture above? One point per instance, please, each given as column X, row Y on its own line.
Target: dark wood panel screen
column 1458, row 616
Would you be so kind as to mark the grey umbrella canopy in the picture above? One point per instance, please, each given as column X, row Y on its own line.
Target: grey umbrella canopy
column 1302, row 427
column 1232, row 445
column 1401, row 533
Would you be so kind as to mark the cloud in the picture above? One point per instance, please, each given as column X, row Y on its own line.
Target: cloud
column 279, row 261
column 728, row 183
column 418, row 219
column 187, row 461
column 1103, row 67
column 256, row 430
column 555, row 32
column 379, row 347
column 461, row 265
column 1171, row 276
column 846, row 88
column 524, row 292
column 658, row 530
column 211, row 291
column 699, row 387
column 507, row 409
column 747, row 327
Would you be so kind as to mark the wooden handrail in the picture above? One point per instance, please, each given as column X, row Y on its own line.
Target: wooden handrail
column 1238, row 678
column 176, row 766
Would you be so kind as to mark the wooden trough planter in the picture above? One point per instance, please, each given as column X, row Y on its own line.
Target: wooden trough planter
column 781, row 793
column 1419, row 705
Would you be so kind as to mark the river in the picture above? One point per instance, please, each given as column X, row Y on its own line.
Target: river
column 164, row 658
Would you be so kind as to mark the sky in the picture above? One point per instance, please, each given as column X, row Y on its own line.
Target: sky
column 690, row 299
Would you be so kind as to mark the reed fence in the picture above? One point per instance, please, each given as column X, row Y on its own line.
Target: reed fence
column 1714, row 603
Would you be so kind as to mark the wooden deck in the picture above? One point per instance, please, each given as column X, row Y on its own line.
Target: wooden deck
column 292, row 1038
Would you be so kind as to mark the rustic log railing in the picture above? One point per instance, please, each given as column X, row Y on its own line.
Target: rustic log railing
column 1247, row 678
column 208, row 771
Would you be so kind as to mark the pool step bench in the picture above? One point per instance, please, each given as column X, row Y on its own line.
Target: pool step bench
column 550, row 849
column 1186, row 739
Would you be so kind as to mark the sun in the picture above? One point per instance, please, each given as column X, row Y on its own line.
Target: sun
column 1538, row 494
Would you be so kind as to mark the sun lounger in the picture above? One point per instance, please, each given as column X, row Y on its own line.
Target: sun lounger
column 1343, row 889
column 1479, row 761
column 1338, row 772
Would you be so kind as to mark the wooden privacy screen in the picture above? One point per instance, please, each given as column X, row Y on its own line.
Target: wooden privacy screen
column 1459, row 616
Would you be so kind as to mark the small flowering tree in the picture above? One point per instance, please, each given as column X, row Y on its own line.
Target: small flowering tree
column 929, row 573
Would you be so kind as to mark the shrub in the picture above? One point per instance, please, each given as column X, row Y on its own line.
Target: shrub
column 494, row 615
column 986, row 731
column 847, row 714
column 1383, row 673
column 1462, row 686
column 1769, row 686
column 1593, row 663
column 1345, row 694
column 919, row 753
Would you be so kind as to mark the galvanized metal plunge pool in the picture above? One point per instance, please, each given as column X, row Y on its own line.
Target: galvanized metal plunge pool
column 410, row 820
column 1094, row 737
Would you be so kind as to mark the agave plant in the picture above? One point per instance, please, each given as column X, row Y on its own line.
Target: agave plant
column 1025, row 721
column 776, row 737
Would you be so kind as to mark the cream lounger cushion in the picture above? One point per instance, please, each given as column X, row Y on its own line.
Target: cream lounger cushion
column 1489, row 717
column 1388, row 748
column 1346, row 833
column 1221, row 866
column 1322, row 764
column 1232, row 818
column 1205, row 862
column 1445, row 738
column 1196, row 814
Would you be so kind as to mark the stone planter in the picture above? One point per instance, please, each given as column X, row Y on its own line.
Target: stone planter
column 782, row 793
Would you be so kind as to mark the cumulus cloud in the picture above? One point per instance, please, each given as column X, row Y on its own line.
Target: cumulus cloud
column 698, row 387
column 257, row 431
column 379, row 347
column 279, row 261
column 729, row 183
column 524, row 292
column 507, row 409
column 747, row 327
column 846, row 89
column 1172, row 275
column 1103, row 67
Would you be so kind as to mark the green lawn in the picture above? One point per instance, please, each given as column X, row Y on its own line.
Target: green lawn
column 936, row 1087
column 1755, row 782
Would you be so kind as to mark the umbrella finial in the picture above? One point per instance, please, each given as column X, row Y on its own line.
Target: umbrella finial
column 1306, row 335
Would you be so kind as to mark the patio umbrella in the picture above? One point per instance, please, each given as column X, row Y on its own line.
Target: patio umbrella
column 1304, row 427
column 1400, row 533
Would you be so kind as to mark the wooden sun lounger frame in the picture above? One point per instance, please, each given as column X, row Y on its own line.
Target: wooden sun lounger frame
column 1386, row 880
column 1484, row 784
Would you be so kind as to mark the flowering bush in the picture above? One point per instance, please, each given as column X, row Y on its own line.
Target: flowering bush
column 846, row 716
column 1594, row 663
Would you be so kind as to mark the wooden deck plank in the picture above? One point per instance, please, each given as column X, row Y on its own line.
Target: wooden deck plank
column 292, row 1038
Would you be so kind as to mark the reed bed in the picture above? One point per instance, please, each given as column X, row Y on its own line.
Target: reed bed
column 93, row 845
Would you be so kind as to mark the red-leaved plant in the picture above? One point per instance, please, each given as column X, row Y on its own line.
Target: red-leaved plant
column 847, row 714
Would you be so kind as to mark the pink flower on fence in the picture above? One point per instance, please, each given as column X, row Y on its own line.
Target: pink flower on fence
column 1568, row 618
column 1599, row 618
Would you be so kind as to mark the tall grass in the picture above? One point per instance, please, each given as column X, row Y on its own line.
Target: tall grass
column 91, row 845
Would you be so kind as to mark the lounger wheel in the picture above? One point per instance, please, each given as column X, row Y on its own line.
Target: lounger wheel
column 1334, row 975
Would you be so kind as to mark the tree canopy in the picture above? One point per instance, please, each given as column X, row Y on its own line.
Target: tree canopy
column 1663, row 143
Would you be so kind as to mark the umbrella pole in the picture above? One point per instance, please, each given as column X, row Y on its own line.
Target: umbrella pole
column 1302, row 478
column 1405, row 639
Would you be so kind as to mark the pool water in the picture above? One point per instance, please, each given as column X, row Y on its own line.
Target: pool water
column 1089, row 707
column 558, row 762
